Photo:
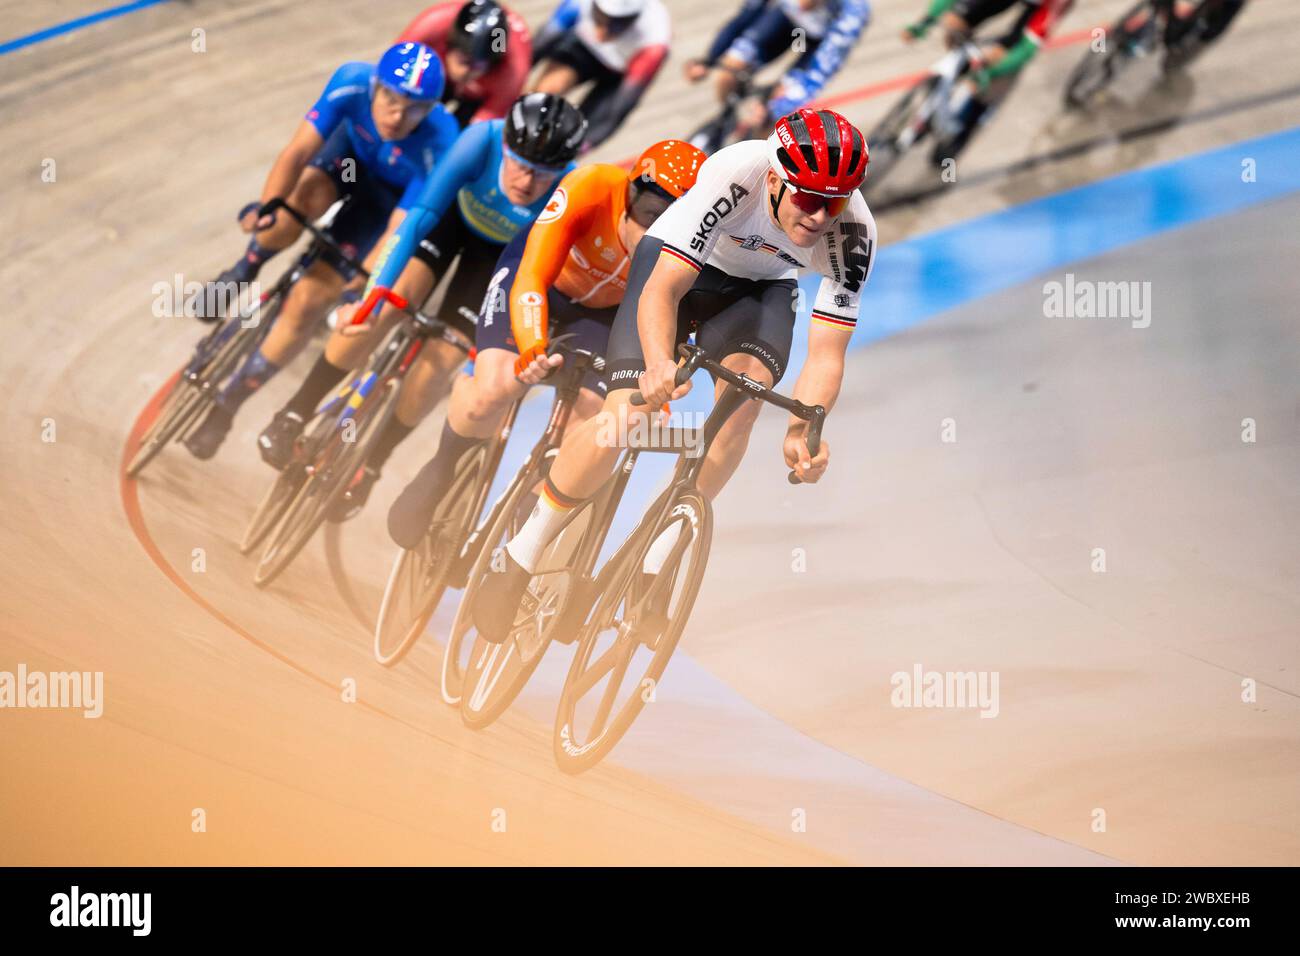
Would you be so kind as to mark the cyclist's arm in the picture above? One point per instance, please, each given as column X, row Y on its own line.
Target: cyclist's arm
column 731, row 30
column 800, row 86
column 1037, row 26
column 549, row 240
column 462, row 164
column 641, row 72
column 321, row 120
column 564, row 19
column 656, row 316
column 937, row 9
column 293, row 159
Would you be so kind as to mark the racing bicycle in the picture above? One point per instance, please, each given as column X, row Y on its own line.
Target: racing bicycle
column 1138, row 34
column 939, row 105
column 194, row 388
column 724, row 128
column 334, row 446
column 635, row 618
column 452, row 545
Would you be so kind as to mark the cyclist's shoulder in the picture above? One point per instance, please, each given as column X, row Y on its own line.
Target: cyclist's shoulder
column 431, row 25
column 739, row 161
column 656, row 22
column 594, row 180
column 439, row 129
column 350, row 79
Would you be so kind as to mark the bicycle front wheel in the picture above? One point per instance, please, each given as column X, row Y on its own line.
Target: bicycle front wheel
column 632, row 633
column 1131, row 33
column 420, row 576
column 328, row 478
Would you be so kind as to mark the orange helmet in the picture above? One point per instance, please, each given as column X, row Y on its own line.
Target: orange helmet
column 672, row 165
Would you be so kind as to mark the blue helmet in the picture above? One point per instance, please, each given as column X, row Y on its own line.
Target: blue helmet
column 413, row 70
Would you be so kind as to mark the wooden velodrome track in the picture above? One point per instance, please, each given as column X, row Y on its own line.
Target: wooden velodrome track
column 227, row 699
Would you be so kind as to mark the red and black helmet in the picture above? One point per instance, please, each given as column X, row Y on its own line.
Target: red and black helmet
column 818, row 151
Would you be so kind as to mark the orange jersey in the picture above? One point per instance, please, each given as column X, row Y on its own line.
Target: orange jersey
column 573, row 247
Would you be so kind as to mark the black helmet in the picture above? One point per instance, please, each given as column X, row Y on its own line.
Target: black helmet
column 481, row 31
column 545, row 129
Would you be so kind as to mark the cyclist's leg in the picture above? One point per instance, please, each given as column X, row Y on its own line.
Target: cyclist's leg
column 304, row 305
column 356, row 230
column 750, row 10
column 566, row 65
column 345, row 351
column 768, row 36
column 1218, row 17
column 472, row 414
column 318, row 187
column 752, row 335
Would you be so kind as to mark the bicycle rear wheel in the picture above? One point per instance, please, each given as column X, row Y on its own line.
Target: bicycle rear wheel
column 463, row 640
column 190, row 396
column 1129, row 35
column 419, row 577
column 328, row 477
column 634, row 629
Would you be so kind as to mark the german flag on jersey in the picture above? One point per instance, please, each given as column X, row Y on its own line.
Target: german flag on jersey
column 681, row 256
column 837, row 321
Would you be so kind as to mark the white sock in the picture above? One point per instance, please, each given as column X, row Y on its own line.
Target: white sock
column 548, row 517
column 661, row 548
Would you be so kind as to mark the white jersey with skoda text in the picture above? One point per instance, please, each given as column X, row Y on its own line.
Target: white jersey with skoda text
column 725, row 222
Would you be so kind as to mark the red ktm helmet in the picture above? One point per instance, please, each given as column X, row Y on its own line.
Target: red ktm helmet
column 818, row 151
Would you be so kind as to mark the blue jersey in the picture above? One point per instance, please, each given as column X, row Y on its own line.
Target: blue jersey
column 848, row 19
column 404, row 163
column 469, row 175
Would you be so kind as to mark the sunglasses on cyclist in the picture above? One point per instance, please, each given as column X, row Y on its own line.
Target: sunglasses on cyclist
column 813, row 203
column 646, row 202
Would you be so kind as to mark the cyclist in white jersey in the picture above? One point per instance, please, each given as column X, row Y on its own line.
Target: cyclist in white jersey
column 721, row 262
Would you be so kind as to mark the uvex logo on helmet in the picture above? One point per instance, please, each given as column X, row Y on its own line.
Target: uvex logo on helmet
column 818, row 151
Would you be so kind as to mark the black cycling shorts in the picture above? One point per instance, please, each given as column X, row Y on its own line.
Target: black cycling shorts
column 363, row 220
column 450, row 237
column 728, row 315
column 590, row 327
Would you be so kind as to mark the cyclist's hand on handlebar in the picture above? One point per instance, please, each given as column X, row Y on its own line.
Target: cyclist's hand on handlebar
column 809, row 468
column 695, row 70
column 346, row 313
column 534, row 365
column 658, row 383
column 249, row 219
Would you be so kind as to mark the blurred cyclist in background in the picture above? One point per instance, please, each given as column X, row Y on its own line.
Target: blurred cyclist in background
column 822, row 32
column 1003, row 59
column 486, row 51
column 500, row 175
column 374, row 134
column 565, row 275
column 617, row 45
column 1202, row 20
